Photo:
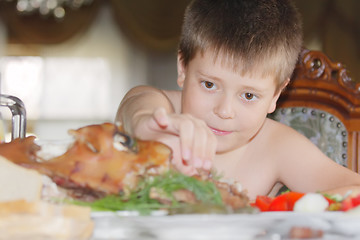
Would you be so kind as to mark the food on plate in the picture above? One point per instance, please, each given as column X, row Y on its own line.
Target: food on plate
column 350, row 202
column 176, row 193
column 92, row 164
column 96, row 167
column 307, row 202
column 18, row 183
column 42, row 220
column 283, row 202
column 25, row 215
column 312, row 202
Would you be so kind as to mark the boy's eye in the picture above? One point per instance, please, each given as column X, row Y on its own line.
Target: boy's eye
column 208, row 85
column 249, row 96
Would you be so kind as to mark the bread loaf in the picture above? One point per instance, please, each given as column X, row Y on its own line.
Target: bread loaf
column 42, row 220
column 17, row 182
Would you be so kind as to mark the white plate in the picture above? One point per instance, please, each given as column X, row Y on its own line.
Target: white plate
column 268, row 225
column 190, row 227
column 101, row 214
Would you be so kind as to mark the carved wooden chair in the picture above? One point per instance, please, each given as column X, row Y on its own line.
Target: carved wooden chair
column 323, row 103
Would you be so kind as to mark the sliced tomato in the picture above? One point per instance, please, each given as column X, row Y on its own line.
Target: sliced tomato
column 356, row 201
column 263, row 203
column 285, row 202
column 346, row 204
column 279, row 203
column 292, row 197
column 350, row 202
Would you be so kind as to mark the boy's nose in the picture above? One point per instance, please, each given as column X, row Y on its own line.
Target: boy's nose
column 224, row 109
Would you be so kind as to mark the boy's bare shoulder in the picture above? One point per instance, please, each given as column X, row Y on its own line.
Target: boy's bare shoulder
column 285, row 139
column 276, row 128
column 174, row 97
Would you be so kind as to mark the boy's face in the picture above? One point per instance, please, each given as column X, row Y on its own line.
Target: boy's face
column 234, row 106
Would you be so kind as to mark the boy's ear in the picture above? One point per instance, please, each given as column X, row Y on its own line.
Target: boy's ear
column 283, row 86
column 277, row 95
column 180, row 70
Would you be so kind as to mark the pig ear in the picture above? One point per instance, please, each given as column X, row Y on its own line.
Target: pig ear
column 180, row 71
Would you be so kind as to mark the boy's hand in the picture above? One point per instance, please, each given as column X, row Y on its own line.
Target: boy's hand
column 192, row 142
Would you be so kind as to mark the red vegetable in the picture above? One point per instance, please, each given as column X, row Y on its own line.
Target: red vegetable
column 263, row 203
column 350, row 202
column 278, row 203
column 330, row 201
column 283, row 202
column 286, row 202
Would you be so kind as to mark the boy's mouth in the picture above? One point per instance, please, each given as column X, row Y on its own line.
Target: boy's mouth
column 219, row 132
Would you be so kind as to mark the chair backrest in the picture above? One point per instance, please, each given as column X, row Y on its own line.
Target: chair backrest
column 323, row 103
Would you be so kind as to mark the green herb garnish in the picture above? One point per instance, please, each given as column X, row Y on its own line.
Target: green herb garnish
column 139, row 199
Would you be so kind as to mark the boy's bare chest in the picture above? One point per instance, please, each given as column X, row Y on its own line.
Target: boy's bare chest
column 252, row 169
column 240, row 165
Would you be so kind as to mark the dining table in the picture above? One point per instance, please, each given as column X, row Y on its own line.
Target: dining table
column 275, row 225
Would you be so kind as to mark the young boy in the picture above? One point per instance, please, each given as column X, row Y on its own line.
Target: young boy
column 234, row 58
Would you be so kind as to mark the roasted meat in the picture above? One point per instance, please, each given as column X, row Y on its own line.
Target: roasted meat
column 94, row 161
column 96, row 165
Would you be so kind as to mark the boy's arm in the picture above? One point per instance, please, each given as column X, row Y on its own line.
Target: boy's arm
column 305, row 168
column 139, row 101
column 149, row 114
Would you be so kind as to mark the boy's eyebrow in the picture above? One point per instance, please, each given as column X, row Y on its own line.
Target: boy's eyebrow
column 253, row 89
column 208, row 76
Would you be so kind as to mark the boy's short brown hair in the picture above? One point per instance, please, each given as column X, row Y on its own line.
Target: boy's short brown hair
column 255, row 36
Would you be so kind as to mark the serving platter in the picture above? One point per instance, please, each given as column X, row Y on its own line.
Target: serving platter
column 193, row 226
column 265, row 225
column 163, row 226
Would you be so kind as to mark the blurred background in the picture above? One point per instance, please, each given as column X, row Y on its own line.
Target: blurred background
column 72, row 61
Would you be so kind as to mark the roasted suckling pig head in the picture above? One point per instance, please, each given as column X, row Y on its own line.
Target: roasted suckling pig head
column 94, row 161
column 97, row 164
